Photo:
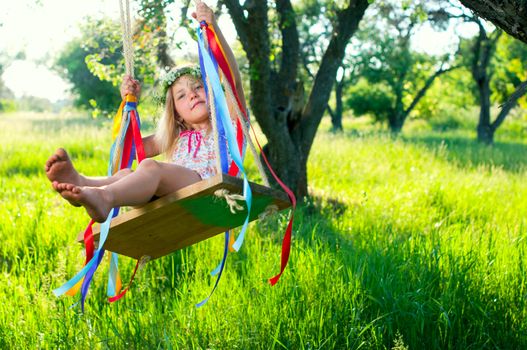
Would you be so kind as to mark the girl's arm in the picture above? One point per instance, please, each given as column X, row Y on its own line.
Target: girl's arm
column 150, row 146
column 204, row 13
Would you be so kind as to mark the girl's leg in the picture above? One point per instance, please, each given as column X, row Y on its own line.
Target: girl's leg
column 151, row 178
column 59, row 168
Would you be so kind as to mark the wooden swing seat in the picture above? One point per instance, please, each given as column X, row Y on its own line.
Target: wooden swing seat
column 185, row 217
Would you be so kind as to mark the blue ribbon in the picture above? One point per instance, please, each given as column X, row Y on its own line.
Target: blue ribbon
column 224, row 161
column 209, row 69
column 223, row 111
column 105, row 227
column 221, row 266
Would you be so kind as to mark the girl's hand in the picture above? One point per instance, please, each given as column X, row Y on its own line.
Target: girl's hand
column 130, row 86
column 204, row 13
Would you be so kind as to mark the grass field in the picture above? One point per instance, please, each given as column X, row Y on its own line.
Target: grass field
column 412, row 243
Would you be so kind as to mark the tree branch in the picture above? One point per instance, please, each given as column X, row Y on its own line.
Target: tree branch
column 427, row 85
column 255, row 41
column 510, row 104
column 239, row 20
column 509, row 15
column 347, row 23
column 290, row 41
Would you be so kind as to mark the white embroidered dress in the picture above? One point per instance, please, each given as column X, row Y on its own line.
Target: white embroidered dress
column 195, row 151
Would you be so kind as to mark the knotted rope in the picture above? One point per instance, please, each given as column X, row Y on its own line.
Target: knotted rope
column 269, row 211
column 143, row 261
column 231, row 199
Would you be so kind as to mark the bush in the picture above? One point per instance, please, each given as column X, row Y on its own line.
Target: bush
column 450, row 117
column 7, row 105
column 371, row 99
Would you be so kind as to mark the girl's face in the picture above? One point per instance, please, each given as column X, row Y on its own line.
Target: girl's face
column 190, row 101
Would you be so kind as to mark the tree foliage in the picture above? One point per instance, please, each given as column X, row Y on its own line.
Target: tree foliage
column 386, row 60
column 89, row 63
column 94, row 63
column 373, row 99
column 510, row 69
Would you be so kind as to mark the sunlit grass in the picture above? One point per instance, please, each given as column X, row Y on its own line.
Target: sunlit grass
column 419, row 240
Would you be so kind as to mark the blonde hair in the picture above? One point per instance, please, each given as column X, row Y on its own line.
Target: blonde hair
column 169, row 127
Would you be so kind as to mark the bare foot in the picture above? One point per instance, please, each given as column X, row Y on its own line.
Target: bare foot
column 95, row 200
column 60, row 168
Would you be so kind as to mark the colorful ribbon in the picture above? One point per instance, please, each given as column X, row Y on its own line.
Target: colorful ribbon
column 126, row 147
column 209, row 71
column 220, row 60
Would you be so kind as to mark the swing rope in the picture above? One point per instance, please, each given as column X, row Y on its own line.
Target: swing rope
column 247, row 136
column 128, row 49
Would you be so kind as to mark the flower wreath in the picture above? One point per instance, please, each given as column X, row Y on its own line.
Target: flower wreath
column 174, row 74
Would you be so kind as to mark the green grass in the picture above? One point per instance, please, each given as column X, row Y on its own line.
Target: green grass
column 418, row 241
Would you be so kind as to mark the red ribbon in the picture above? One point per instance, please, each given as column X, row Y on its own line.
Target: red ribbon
column 88, row 242
column 123, row 292
column 286, row 242
column 138, row 140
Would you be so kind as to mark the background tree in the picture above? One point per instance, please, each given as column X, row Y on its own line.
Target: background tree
column 501, row 73
column 397, row 77
column 510, row 78
column 72, row 64
column 94, row 63
column 154, row 20
column 277, row 95
column 341, row 83
column 6, row 95
column 482, row 51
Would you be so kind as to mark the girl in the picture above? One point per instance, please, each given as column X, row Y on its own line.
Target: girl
column 184, row 135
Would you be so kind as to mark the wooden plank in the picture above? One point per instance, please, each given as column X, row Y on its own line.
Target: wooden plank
column 183, row 218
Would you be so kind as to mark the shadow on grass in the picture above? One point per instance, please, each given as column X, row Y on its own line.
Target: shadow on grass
column 408, row 283
column 468, row 153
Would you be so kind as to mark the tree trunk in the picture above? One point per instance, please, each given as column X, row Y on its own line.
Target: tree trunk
column 485, row 131
column 277, row 101
column 484, row 48
column 509, row 15
column 396, row 116
column 485, row 134
column 163, row 58
column 396, row 122
column 336, row 117
column 291, row 166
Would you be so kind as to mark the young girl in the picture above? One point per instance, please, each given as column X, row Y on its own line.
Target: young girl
column 184, row 136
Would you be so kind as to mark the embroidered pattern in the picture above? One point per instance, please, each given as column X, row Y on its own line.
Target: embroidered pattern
column 195, row 151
